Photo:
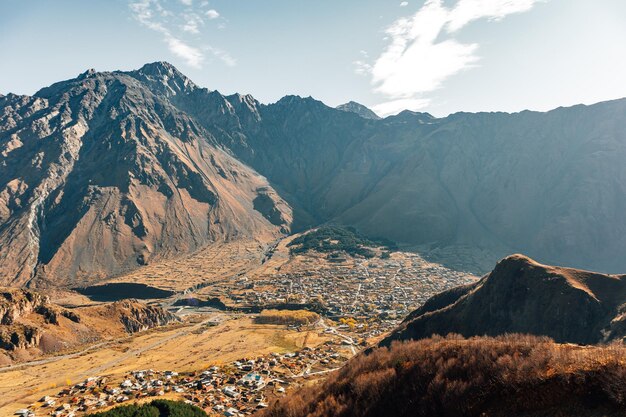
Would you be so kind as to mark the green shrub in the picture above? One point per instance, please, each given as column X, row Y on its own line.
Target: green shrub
column 335, row 238
column 156, row 408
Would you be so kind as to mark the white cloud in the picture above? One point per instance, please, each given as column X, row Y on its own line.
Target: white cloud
column 469, row 10
column 192, row 56
column 173, row 24
column 192, row 23
column 362, row 67
column 404, row 4
column 212, row 14
column 422, row 52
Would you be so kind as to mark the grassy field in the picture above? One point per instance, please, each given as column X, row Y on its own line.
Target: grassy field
column 213, row 263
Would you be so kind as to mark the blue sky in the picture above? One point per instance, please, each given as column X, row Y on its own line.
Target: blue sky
column 440, row 56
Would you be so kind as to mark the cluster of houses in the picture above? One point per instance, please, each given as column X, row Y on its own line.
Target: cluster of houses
column 234, row 389
column 377, row 292
column 367, row 297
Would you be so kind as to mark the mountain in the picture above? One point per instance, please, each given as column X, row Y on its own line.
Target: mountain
column 102, row 173
column 112, row 170
column 361, row 110
column 523, row 296
column 510, row 376
column 547, row 184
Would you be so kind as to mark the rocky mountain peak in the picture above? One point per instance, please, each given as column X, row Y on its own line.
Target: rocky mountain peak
column 291, row 100
column 89, row 73
column 164, row 78
column 360, row 109
column 115, row 157
column 514, row 264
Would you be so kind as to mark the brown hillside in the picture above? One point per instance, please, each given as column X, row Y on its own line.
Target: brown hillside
column 523, row 296
column 102, row 174
column 31, row 325
column 505, row 376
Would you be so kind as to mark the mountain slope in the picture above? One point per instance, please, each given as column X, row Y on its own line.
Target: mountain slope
column 523, row 296
column 548, row 184
column 512, row 376
column 102, row 174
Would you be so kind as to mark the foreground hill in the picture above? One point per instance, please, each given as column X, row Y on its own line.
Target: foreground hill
column 523, row 296
column 102, row 173
column 504, row 376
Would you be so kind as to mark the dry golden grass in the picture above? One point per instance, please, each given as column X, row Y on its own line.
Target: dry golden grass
column 288, row 317
column 216, row 262
column 504, row 376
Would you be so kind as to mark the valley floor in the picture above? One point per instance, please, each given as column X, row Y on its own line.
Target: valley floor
column 362, row 299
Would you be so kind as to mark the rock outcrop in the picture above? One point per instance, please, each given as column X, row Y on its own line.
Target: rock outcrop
column 17, row 308
column 16, row 303
column 19, row 337
column 28, row 318
column 137, row 317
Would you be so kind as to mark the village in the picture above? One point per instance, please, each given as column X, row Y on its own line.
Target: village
column 233, row 389
column 369, row 296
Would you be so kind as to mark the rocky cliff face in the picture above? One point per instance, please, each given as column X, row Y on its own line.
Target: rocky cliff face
column 102, row 173
column 523, row 296
column 137, row 317
column 18, row 303
column 15, row 304
column 27, row 318
column 16, row 310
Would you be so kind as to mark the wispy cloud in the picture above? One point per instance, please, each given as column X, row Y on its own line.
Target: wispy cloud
column 422, row 52
column 192, row 56
column 176, row 23
column 404, row 4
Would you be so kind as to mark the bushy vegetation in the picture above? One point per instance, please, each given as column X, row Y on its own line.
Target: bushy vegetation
column 505, row 376
column 289, row 317
column 328, row 239
column 157, row 408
